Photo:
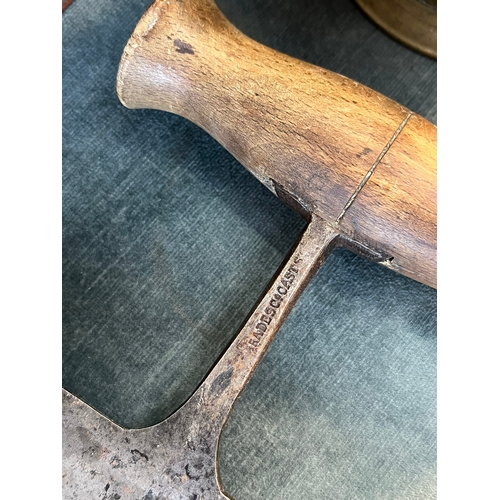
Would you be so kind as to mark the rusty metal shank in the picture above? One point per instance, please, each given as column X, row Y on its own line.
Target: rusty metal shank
column 177, row 458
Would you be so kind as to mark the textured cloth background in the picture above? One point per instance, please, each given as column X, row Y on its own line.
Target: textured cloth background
column 168, row 242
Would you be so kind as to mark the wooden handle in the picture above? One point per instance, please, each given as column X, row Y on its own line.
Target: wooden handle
column 322, row 142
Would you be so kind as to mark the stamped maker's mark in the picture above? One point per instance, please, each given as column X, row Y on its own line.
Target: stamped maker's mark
column 274, row 303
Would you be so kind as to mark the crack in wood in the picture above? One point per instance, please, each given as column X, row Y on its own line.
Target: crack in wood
column 373, row 167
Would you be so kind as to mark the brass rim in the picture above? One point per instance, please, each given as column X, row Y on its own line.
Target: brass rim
column 411, row 22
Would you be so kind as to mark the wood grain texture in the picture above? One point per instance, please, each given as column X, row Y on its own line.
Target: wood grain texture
column 321, row 137
column 402, row 194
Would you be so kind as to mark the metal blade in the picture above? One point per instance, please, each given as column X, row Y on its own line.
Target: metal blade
column 177, row 458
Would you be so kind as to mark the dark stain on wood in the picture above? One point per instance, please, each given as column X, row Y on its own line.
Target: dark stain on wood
column 339, row 150
column 183, row 47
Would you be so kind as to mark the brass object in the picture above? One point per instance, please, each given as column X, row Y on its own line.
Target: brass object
column 411, row 22
column 306, row 134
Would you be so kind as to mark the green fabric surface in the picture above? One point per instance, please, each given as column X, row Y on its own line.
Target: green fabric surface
column 168, row 241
